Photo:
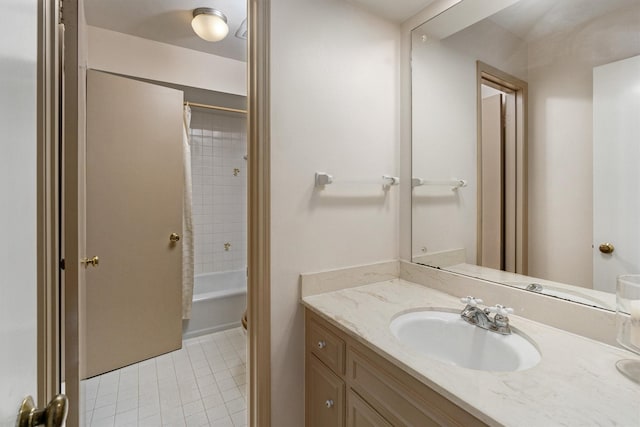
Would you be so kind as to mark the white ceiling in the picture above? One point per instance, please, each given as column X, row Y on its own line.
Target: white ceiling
column 533, row 19
column 169, row 21
column 396, row 11
column 530, row 20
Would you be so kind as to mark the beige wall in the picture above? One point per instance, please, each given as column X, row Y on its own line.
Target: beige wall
column 134, row 56
column 334, row 108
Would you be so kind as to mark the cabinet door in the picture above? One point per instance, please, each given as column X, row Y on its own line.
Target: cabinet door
column 325, row 396
column 360, row 414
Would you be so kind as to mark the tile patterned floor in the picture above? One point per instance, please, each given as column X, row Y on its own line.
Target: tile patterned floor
column 203, row 384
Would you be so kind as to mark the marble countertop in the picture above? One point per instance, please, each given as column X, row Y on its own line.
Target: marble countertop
column 575, row 384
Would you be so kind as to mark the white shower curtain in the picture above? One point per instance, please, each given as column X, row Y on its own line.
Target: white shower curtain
column 187, row 220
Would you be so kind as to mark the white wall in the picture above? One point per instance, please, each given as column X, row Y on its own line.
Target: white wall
column 334, row 108
column 560, row 142
column 134, row 56
column 444, row 130
column 18, row 56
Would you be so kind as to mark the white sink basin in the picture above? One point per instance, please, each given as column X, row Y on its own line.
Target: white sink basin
column 445, row 336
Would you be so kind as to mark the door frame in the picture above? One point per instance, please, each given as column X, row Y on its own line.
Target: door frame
column 485, row 73
column 72, row 221
column 258, row 254
column 259, row 220
column 47, row 203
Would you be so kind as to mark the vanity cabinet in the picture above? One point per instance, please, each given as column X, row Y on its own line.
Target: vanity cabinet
column 347, row 384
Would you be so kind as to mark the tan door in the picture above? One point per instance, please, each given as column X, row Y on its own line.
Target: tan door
column 134, row 203
column 492, row 183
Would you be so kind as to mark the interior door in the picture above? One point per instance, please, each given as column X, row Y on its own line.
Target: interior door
column 18, row 253
column 492, row 160
column 134, row 184
column 616, row 171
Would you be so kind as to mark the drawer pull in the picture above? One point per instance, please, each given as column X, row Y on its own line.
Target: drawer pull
column 321, row 344
column 329, row 404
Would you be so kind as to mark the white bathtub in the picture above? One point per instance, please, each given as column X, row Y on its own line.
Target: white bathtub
column 219, row 301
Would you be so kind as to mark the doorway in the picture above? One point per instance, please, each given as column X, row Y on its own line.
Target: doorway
column 502, row 170
column 143, row 365
column 258, row 389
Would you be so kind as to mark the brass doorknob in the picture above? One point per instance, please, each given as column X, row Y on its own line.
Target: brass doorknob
column 606, row 248
column 174, row 237
column 90, row 261
column 54, row 415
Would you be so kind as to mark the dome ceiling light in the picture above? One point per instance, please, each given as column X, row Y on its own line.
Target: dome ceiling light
column 209, row 24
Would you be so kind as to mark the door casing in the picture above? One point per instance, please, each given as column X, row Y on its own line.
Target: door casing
column 48, row 195
column 486, row 74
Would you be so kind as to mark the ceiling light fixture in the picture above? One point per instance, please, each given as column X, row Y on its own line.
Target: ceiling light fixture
column 209, row 24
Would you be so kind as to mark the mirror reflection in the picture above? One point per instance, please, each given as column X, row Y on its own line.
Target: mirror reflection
column 525, row 129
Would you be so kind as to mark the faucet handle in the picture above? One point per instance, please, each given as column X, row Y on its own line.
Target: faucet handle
column 472, row 301
column 501, row 310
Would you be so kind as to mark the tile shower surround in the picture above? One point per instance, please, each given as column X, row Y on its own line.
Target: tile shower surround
column 218, row 147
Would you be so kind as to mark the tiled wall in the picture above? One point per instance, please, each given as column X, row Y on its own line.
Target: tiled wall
column 218, row 147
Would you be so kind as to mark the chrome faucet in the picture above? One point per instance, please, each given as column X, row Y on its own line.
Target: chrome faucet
column 482, row 317
column 535, row 287
column 473, row 314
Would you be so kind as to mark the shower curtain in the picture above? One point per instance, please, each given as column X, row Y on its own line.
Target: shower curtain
column 187, row 220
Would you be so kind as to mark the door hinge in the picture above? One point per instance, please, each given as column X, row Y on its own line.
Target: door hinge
column 62, row 264
column 60, row 10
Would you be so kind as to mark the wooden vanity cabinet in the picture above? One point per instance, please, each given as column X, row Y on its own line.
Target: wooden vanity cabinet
column 361, row 414
column 347, row 384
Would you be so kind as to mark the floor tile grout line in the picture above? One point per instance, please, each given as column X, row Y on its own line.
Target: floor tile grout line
column 216, row 383
column 224, row 342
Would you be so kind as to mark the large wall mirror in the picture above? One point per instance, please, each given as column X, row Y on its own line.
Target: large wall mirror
column 526, row 144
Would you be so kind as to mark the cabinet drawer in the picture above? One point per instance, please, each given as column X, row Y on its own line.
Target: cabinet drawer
column 399, row 399
column 359, row 414
column 327, row 346
column 325, row 396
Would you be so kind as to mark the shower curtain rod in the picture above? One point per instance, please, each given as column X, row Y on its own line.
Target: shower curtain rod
column 215, row 107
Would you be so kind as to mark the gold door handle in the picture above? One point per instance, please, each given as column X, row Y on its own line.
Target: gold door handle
column 54, row 415
column 606, row 248
column 90, row 261
column 174, row 237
